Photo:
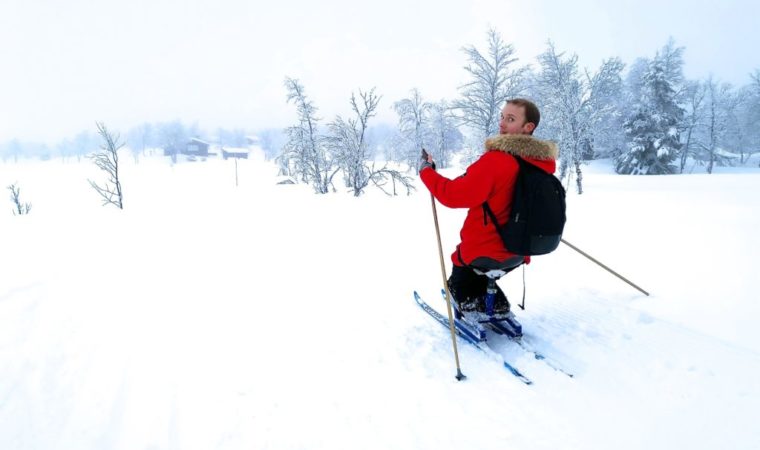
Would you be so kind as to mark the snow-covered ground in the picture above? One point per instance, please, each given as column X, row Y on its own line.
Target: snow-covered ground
column 210, row 316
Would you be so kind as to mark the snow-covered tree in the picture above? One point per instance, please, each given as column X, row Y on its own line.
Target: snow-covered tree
column 382, row 139
column 65, row 149
column 139, row 138
column 445, row 136
column 349, row 144
column 172, row 136
column 494, row 78
column 634, row 80
column 738, row 132
column 414, row 126
column 15, row 149
column 749, row 117
column 6, row 151
column 84, row 143
column 576, row 108
column 653, row 129
column 720, row 107
column 305, row 148
column 231, row 138
column 271, row 140
column 694, row 95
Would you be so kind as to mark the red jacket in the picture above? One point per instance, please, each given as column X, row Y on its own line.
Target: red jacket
column 491, row 178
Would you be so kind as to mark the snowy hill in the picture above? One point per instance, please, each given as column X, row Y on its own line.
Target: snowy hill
column 205, row 316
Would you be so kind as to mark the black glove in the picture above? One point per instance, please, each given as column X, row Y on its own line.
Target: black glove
column 426, row 161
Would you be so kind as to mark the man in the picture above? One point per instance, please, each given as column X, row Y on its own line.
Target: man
column 490, row 179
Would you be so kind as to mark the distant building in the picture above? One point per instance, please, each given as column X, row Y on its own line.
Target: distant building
column 232, row 152
column 196, row 147
column 193, row 147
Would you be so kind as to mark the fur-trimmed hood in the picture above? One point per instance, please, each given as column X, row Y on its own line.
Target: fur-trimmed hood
column 523, row 145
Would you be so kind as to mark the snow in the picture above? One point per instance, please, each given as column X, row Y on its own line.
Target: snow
column 209, row 316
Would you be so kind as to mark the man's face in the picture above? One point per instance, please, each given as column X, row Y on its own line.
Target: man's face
column 513, row 120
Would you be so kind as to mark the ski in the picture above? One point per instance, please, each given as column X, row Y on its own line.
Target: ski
column 474, row 336
column 512, row 329
column 540, row 356
column 500, row 329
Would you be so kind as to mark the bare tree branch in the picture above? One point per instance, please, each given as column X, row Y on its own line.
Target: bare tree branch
column 494, row 80
column 382, row 176
column 414, row 126
column 348, row 141
column 305, row 149
column 107, row 160
column 20, row 208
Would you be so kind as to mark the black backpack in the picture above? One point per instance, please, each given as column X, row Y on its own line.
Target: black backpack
column 538, row 212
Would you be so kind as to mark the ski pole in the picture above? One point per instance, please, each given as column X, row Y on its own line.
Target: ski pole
column 460, row 376
column 603, row 266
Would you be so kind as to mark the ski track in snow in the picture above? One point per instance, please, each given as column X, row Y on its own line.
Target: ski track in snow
column 240, row 330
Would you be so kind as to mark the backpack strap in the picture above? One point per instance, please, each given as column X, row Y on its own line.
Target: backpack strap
column 522, row 306
column 487, row 211
column 459, row 256
column 519, row 160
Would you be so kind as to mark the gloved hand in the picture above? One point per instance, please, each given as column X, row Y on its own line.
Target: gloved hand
column 426, row 160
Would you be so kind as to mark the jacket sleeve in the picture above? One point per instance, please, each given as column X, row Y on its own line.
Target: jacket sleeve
column 466, row 191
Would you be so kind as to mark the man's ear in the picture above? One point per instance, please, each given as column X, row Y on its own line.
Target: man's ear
column 529, row 127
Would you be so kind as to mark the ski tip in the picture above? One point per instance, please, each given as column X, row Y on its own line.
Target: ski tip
column 518, row 374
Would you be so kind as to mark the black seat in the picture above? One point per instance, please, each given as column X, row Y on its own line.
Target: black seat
column 485, row 264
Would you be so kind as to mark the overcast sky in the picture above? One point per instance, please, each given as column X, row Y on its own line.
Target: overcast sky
column 68, row 63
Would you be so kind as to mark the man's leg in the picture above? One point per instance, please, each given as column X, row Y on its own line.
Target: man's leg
column 469, row 291
column 467, row 287
column 501, row 305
